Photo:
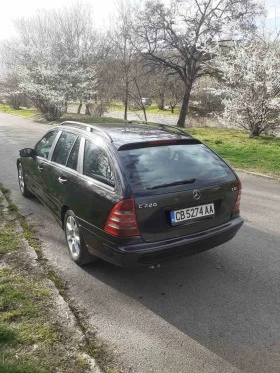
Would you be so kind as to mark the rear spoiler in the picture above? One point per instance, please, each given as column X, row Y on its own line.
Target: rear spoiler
column 148, row 144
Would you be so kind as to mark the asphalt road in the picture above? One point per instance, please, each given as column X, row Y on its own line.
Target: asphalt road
column 218, row 311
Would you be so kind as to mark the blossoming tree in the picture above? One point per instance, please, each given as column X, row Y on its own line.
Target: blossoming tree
column 251, row 73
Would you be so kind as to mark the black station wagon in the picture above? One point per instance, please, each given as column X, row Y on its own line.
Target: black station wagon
column 132, row 194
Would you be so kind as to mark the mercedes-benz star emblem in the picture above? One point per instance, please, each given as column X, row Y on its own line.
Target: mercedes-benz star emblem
column 196, row 194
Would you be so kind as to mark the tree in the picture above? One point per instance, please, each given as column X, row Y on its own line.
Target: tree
column 122, row 50
column 9, row 85
column 140, row 85
column 45, row 87
column 9, row 77
column 167, row 90
column 159, row 83
column 42, row 78
column 79, row 48
column 55, row 54
column 180, row 36
column 251, row 73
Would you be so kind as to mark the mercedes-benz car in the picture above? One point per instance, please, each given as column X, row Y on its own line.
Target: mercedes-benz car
column 132, row 194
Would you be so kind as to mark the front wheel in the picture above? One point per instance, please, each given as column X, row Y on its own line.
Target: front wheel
column 22, row 184
column 76, row 245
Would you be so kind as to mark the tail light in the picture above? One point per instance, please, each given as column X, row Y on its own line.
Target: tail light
column 236, row 207
column 122, row 221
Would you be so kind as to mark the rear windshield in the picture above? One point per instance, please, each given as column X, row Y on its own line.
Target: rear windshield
column 153, row 167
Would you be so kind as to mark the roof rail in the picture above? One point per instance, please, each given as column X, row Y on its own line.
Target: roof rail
column 161, row 126
column 89, row 127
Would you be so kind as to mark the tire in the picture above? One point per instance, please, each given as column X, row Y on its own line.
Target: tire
column 22, row 183
column 76, row 244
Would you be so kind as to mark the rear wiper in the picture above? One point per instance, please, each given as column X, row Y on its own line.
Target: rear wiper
column 178, row 182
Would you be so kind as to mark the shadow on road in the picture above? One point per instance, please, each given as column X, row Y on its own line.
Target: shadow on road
column 225, row 299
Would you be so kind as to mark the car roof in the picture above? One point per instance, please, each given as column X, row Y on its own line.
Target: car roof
column 129, row 133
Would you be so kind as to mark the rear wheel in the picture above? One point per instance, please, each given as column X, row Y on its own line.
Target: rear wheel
column 76, row 244
column 22, row 184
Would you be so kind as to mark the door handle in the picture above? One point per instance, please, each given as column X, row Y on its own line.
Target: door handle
column 62, row 180
column 40, row 168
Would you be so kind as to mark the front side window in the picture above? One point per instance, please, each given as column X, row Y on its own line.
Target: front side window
column 97, row 164
column 63, row 147
column 43, row 147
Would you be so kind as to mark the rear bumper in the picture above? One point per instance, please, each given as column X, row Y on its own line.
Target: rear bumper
column 145, row 254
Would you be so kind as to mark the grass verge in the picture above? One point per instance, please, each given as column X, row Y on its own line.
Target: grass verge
column 261, row 154
column 34, row 335
column 89, row 119
column 32, row 113
column 32, row 339
column 152, row 109
column 23, row 112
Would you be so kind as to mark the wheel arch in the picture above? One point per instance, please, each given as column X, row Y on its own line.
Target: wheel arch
column 64, row 209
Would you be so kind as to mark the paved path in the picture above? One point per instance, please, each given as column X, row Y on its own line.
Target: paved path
column 218, row 311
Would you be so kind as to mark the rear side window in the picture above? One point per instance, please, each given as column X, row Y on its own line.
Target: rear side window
column 153, row 166
column 73, row 157
column 97, row 164
column 44, row 146
column 63, row 147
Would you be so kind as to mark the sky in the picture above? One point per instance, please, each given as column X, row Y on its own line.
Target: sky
column 273, row 13
column 12, row 9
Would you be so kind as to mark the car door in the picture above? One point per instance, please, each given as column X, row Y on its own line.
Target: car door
column 99, row 190
column 34, row 167
column 58, row 177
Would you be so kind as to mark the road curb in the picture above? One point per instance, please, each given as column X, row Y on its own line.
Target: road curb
column 264, row 176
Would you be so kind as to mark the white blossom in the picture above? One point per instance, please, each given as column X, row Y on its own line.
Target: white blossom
column 251, row 73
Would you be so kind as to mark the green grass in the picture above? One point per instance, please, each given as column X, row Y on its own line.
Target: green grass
column 29, row 332
column 8, row 241
column 152, row 109
column 260, row 154
column 23, row 112
column 7, row 335
column 89, row 119
column 6, row 367
column 24, row 301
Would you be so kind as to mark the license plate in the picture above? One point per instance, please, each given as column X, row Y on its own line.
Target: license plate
column 192, row 213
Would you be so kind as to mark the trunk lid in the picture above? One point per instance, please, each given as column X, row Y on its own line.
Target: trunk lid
column 154, row 211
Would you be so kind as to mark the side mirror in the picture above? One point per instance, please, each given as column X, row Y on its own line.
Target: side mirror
column 27, row 152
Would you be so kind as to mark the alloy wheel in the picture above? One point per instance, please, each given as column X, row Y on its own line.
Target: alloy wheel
column 21, row 178
column 73, row 236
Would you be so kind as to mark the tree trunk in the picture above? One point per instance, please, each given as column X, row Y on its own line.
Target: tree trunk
column 80, row 107
column 126, row 101
column 255, row 133
column 144, row 112
column 161, row 101
column 15, row 102
column 184, row 108
column 87, row 109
